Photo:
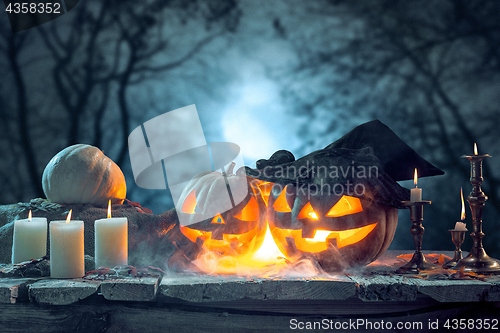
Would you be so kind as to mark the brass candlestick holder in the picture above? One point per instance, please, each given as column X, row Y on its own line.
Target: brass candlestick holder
column 477, row 261
column 418, row 262
column 457, row 237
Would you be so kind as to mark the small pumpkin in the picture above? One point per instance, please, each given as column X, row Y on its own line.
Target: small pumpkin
column 82, row 174
column 223, row 213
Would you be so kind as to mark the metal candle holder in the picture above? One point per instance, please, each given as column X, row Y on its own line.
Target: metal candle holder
column 418, row 261
column 457, row 237
column 477, row 261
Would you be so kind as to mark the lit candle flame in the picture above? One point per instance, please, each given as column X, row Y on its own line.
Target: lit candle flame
column 463, row 205
column 109, row 209
column 29, row 216
column 415, row 176
column 475, row 149
column 69, row 216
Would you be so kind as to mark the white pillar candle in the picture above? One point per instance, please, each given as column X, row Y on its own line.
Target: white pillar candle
column 29, row 239
column 415, row 193
column 66, row 249
column 111, row 242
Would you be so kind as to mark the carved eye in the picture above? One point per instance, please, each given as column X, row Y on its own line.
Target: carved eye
column 281, row 205
column 345, row 206
column 190, row 203
column 307, row 212
column 218, row 219
column 265, row 190
column 250, row 212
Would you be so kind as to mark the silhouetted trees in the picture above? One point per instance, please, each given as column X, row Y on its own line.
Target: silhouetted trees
column 72, row 80
column 428, row 69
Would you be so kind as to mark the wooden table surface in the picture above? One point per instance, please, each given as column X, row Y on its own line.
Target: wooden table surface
column 208, row 303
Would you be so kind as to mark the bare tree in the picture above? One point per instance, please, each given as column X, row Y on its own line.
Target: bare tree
column 107, row 48
column 429, row 69
column 16, row 125
column 89, row 62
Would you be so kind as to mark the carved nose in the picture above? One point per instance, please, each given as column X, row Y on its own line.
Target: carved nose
column 218, row 234
column 308, row 232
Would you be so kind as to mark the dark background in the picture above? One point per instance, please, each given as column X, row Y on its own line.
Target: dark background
column 266, row 75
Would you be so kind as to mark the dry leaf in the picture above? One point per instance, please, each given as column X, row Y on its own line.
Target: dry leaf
column 405, row 256
column 138, row 207
column 463, row 275
column 434, row 258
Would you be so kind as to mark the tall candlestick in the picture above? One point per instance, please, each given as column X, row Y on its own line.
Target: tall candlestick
column 417, row 262
column 66, row 249
column 29, row 239
column 415, row 193
column 477, row 261
column 111, row 241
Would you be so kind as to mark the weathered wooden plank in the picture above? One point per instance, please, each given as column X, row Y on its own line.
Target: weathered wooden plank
column 14, row 290
column 229, row 288
column 384, row 288
column 95, row 314
column 452, row 290
column 351, row 306
column 130, row 289
column 61, row 292
column 492, row 294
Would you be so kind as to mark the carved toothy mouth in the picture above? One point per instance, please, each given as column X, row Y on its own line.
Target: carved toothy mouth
column 323, row 238
column 229, row 242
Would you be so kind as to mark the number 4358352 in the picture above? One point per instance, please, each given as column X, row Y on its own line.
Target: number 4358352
column 472, row 324
column 32, row 8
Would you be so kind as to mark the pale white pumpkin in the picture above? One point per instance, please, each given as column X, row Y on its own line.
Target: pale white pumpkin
column 82, row 174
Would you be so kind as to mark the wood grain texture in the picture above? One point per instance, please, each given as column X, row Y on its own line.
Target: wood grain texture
column 130, row 289
column 375, row 282
column 384, row 288
column 61, row 292
column 14, row 290
column 95, row 314
column 493, row 293
column 212, row 289
column 452, row 290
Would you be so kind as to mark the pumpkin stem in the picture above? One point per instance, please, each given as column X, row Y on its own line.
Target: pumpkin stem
column 230, row 169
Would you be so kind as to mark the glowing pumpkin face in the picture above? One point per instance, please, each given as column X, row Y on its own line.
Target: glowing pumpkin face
column 234, row 232
column 337, row 231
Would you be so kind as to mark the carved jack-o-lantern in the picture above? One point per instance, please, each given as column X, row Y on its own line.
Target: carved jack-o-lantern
column 336, row 230
column 335, row 206
column 338, row 205
column 233, row 232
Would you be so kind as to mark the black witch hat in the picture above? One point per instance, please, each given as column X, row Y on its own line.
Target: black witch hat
column 371, row 154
